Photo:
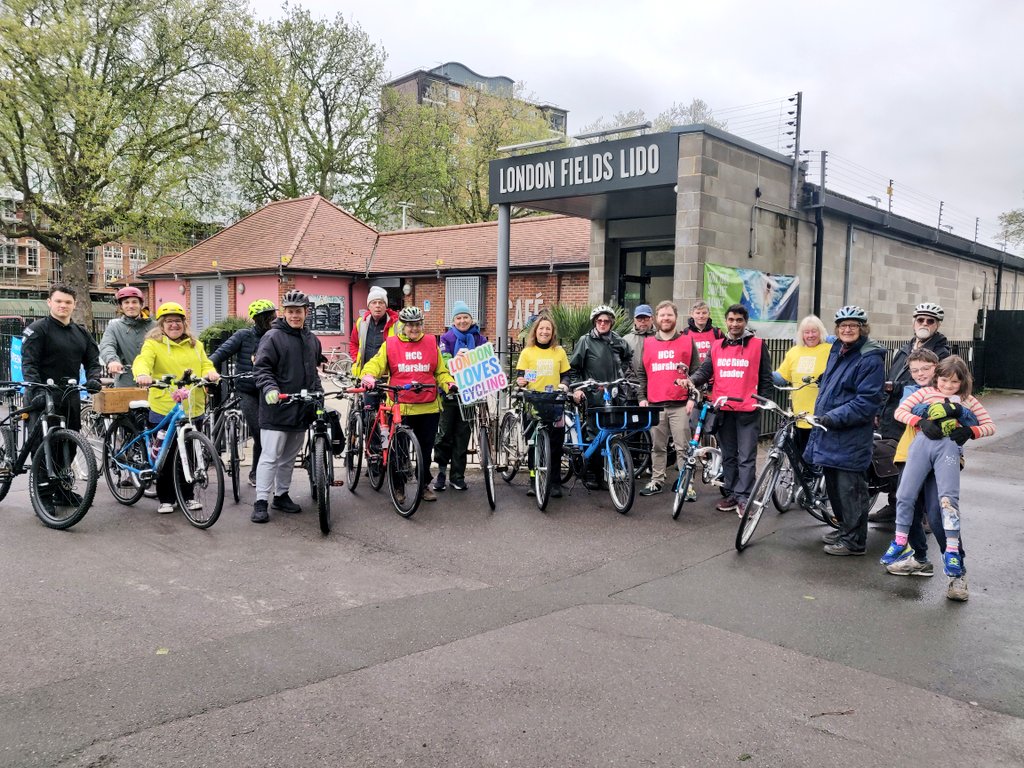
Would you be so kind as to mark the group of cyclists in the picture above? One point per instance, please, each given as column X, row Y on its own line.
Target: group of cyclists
column 849, row 401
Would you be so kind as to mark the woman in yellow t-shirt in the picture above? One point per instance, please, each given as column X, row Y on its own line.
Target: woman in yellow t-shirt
column 543, row 364
column 806, row 358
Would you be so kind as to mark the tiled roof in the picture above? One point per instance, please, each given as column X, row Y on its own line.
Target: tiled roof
column 312, row 232
column 534, row 241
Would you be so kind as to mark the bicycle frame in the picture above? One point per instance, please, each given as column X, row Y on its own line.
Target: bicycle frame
column 49, row 419
column 604, row 435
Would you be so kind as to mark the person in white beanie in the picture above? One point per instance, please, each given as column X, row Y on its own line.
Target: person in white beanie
column 373, row 325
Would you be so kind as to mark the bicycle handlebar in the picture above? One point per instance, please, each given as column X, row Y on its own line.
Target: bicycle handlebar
column 591, row 383
column 770, row 405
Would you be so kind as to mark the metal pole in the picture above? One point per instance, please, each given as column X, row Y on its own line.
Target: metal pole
column 889, row 193
column 501, row 289
column 794, row 179
column 939, row 225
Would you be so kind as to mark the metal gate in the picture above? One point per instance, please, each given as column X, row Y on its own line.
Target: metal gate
column 1004, row 331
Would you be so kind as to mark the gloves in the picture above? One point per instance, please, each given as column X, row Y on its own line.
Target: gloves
column 945, row 410
column 826, row 421
column 930, row 429
column 92, row 386
column 961, row 435
column 272, row 397
column 368, row 381
column 179, row 395
column 453, row 390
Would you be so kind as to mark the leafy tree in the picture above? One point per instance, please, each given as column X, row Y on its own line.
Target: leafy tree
column 1012, row 223
column 435, row 155
column 678, row 114
column 110, row 112
column 304, row 121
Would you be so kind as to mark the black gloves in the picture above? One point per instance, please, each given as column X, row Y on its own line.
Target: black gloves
column 92, row 386
column 961, row 435
column 930, row 429
column 826, row 421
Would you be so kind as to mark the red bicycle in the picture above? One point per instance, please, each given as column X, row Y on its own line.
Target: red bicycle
column 392, row 450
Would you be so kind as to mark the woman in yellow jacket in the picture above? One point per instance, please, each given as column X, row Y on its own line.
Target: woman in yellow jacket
column 807, row 357
column 170, row 349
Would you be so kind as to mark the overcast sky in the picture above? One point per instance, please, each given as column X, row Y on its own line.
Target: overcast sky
column 928, row 93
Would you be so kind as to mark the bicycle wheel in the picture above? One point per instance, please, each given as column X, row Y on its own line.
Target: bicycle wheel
column 203, row 498
column 231, row 437
column 785, row 489
column 405, row 471
column 123, row 448
column 542, row 467
column 640, row 451
column 322, row 494
column 61, row 500
column 621, row 481
column 566, row 471
column 483, row 446
column 763, row 487
column 8, row 455
column 679, row 497
column 353, row 449
column 510, row 445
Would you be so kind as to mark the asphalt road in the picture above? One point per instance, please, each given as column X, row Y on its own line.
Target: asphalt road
column 462, row 637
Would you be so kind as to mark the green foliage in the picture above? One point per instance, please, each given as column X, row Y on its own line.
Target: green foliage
column 213, row 332
column 697, row 111
column 573, row 321
column 1012, row 223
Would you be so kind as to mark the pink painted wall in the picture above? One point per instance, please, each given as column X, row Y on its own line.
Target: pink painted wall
column 329, row 285
column 167, row 290
column 256, row 287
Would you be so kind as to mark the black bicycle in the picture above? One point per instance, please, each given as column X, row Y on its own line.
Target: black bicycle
column 547, row 409
column 225, row 426
column 318, row 457
column 61, row 461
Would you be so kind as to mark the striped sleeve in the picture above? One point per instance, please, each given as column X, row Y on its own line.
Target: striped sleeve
column 986, row 427
column 904, row 411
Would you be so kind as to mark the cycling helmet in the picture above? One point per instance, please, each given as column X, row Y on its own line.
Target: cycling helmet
column 851, row 312
column 294, row 298
column 129, row 292
column 170, row 308
column 929, row 309
column 411, row 315
column 601, row 309
column 260, row 306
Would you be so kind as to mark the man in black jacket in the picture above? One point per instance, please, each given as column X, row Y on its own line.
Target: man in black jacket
column 286, row 361
column 928, row 318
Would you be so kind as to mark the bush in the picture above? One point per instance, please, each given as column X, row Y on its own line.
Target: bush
column 214, row 335
column 573, row 321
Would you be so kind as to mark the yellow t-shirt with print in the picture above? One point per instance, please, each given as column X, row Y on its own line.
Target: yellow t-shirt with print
column 803, row 361
column 543, row 367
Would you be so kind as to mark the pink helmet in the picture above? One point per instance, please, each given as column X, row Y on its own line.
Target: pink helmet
column 129, row 292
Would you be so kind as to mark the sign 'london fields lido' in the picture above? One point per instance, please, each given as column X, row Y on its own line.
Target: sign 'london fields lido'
column 642, row 161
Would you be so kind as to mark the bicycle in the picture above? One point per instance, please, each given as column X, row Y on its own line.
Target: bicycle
column 811, row 493
column 547, row 407
column 399, row 455
column 355, row 432
column 318, row 454
column 133, row 457
column 614, row 425
column 478, row 414
column 60, row 459
column 710, row 457
column 510, row 447
column 225, row 425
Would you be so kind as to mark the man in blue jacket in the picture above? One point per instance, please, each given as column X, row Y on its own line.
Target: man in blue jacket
column 849, row 396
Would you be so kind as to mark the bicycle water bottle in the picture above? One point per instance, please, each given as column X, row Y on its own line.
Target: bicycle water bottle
column 384, row 434
column 159, row 442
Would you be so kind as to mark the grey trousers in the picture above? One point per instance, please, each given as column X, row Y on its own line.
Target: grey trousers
column 940, row 458
column 274, row 472
column 676, row 420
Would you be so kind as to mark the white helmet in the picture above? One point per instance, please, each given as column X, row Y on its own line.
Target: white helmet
column 929, row 309
column 601, row 309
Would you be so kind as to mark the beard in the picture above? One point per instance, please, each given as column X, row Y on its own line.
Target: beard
column 923, row 334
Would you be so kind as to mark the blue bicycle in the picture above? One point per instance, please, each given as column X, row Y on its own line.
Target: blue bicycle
column 132, row 458
column 615, row 423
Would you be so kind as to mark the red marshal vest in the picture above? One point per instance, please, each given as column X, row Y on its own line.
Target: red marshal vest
column 735, row 370
column 660, row 361
column 703, row 340
column 413, row 361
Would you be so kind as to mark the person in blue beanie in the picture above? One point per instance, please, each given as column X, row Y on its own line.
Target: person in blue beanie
column 453, row 431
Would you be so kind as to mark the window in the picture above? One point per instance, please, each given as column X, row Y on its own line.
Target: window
column 469, row 290
column 8, row 209
column 56, row 270
column 90, row 261
column 8, row 252
column 113, row 263
column 32, row 257
column 136, row 259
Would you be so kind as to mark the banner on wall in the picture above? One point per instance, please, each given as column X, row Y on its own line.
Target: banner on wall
column 772, row 300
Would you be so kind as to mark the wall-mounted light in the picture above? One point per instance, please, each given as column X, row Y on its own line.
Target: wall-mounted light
column 181, row 288
column 241, row 287
column 407, row 289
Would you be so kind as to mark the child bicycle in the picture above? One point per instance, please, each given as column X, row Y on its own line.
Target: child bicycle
column 392, row 449
column 61, row 459
column 132, row 458
column 710, row 457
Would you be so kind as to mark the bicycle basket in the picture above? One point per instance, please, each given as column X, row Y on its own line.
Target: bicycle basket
column 546, row 406
column 469, row 409
column 337, row 433
column 626, row 418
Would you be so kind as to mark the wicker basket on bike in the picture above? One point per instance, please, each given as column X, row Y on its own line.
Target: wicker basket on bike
column 619, row 418
column 546, row 406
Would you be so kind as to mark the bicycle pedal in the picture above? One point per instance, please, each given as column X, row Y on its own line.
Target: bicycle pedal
column 338, row 483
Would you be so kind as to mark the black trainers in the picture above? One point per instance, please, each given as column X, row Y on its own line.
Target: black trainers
column 556, row 491
column 285, row 504
column 886, row 514
column 439, row 481
column 259, row 512
column 67, row 499
column 458, row 485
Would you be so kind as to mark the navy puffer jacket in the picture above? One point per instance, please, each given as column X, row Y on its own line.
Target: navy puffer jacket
column 849, row 394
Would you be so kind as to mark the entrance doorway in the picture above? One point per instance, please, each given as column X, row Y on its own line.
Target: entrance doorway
column 645, row 276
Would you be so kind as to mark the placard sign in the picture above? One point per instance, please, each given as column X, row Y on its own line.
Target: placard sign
column 326, row 314
column 477, row 373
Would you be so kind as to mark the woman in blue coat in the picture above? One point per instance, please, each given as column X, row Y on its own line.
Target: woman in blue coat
column 849, row 398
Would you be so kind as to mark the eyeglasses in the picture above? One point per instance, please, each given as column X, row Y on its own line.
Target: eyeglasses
column 174, row 322
column 848, row 326
column 925, row 320
column 603, row 320
column 922, row 369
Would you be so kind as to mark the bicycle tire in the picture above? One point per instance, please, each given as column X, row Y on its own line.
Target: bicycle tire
column 763, row 487
column 405, row 468
column 354, row 449
column 483, row 446
column 510, row 441
column 621, row 481
column 8, row 455
column 234, row 460
column 61, row 442
column 322, row 495
column 785, row 488
column 120, row 434
column 376, row 472
column 542, row 467
column 640, row 451
column 206, row 467
column 679, row 497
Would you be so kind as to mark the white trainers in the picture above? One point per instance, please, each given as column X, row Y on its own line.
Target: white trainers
column 193, row 505
column 165, row 509
column 957, row 589
column 910, row 567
